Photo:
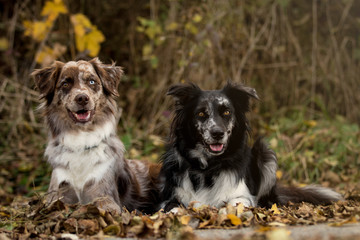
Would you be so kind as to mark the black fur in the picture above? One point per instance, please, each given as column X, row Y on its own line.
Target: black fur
column 255, row 165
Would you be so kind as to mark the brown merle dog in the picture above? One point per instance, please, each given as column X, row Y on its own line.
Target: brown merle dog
column 86, row 155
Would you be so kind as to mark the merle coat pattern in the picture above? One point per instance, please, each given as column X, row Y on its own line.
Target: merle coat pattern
column 83, row 149
column 209, row 161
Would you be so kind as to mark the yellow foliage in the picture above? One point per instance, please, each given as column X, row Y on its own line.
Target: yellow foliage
column 47, row 55
column 146, row 51
column 310, row 123
column 197, row 18
column 234, row 219
column 37, row 29
column 185, row 219
column 4, row 44
column 53, row 9
column 275, row 209
column 87, row 36
column 191, row 28
column 172, row 26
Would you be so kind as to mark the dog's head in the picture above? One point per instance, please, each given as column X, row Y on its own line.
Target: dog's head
column 78, row 95
column 207, row 119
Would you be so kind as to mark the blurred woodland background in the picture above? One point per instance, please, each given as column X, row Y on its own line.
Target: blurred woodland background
column 303, row 57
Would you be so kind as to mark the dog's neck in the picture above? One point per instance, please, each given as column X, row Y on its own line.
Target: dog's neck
column 78, row 141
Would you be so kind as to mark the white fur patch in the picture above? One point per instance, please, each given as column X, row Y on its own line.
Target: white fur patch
column 78, row 141
column 82, row 156
column 226, row 189
column 222, row 100
column 70, row 64
column 81, row 65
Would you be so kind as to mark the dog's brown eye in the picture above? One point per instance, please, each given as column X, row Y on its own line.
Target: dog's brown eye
column 65, row 85
column 226, row 113
column 201, row 114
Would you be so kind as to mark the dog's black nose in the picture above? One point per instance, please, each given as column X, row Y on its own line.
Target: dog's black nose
column 82, row 99
column 217, row 134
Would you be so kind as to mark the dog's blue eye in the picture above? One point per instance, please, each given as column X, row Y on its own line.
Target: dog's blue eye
column 91, row 82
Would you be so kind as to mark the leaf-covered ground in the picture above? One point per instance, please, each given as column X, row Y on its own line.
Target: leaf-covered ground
column 31, row 218
column 323, row 151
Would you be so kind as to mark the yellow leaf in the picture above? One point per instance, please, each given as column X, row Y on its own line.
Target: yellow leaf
column 146, row 50
column 185, row 219
column 79, row 30
column 310, row 123
column 279, row 174
column 37, row 30
column 156, row 140
column 53, row 9
column 275, row 209
column 4, row 44
column 45, row 54
column 87, row 36
column 273, row 143
column 94, row 38
column 80, row 19
column 239, row 209
column 197, row 18
column 191, row 28
column 80, row 43
column 154, row 157
column 40, row 30
column 172, row 26
column 234, row 219
column 134, row 153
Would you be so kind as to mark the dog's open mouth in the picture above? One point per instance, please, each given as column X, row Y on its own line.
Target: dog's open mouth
column 216, row 148
column 81, row 116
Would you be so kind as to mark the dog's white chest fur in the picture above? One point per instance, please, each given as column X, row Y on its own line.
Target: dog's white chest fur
column 80, row 157
column 226, row 190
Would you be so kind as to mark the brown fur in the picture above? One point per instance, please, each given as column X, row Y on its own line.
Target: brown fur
column 83, row 149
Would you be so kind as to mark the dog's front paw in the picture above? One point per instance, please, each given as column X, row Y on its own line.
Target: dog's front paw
column 175, row 210
column 107, row 205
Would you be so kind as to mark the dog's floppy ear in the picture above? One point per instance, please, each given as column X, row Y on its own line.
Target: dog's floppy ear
column 183, row 92
column 240, row 94
column 46, row 79
column 109, row 74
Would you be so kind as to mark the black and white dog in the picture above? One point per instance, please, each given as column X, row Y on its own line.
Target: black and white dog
column 209, row 161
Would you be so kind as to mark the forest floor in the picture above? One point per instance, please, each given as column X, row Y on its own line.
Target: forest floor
column 28, row 218
column 324, row 152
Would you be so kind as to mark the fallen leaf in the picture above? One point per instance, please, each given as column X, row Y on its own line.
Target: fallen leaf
column 275, row 209
column 185, row 219
column 234, row 219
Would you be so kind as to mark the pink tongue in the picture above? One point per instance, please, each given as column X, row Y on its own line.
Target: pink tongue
column 83, row 116
column 216, row 147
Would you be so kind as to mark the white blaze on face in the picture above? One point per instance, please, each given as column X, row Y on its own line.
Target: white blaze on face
column 213, row 107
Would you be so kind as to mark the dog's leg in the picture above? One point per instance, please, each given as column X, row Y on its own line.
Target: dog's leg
column 103, row 194
column 61, row 190
column 245, row 201
column 264, row 163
